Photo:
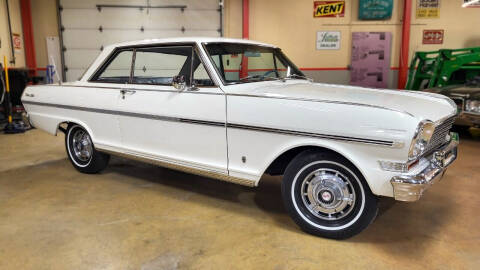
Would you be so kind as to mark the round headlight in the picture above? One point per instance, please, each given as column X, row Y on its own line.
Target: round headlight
column 472, row 106
column 422, row 137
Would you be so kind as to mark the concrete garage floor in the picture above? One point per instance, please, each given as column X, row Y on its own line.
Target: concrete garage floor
column 137, row 216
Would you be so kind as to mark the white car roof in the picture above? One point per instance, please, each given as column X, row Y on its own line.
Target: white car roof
column 188, row 39
column 108, row 49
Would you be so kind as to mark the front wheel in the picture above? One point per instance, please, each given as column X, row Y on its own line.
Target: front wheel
column 327, row 196
column 81, row 151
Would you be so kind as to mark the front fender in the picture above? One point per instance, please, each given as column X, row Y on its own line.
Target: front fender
column 364, row 157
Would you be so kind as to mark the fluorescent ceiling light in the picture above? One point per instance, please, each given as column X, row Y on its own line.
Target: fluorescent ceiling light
column 470, row 3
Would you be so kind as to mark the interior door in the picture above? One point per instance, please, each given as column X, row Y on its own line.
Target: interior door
column 185, row 127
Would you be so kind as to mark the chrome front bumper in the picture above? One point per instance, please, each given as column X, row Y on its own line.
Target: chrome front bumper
column 409, row 187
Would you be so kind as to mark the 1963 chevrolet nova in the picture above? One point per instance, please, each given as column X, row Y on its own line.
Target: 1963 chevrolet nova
column 236, row 109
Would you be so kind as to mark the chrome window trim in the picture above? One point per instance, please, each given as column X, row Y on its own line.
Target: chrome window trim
column 217, row 71
column 121, row 86
column 193, row 44
column 107, row 61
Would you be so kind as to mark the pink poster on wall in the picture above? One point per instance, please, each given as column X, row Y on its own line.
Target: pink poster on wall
column 370, row 59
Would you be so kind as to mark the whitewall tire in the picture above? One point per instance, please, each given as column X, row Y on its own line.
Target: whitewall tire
column 81, row 151
column 327, row 196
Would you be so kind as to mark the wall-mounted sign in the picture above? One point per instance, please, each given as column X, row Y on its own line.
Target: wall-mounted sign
column 472, row 5
column 375, row 9
column 433, row 36
column 17, row 42
column 328, row 40
column 370, row 59
column 328, row 9
column 428, row 9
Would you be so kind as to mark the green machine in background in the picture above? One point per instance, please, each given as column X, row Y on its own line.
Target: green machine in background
column 443, row 67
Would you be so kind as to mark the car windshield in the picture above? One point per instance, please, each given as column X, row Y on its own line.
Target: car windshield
column 244, row 63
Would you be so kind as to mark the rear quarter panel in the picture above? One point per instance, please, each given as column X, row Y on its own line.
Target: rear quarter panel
column 51, row 105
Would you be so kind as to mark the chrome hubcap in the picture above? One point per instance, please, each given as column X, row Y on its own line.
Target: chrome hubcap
column 328, row 194
column 82, row 145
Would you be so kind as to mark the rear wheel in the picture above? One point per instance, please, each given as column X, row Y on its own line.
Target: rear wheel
column 327, row 196
column 81, row 151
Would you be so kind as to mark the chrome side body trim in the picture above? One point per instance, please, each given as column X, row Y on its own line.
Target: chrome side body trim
column 323, row 101
column 131, row 114
column 229, row 125
column 176, row 166
column 314, row 135
column 120, row 86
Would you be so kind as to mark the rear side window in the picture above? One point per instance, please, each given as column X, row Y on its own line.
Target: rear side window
column 155, row 66
column 118, row 69
column 159, row 65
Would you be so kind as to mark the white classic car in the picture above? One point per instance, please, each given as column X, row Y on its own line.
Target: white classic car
column 237, row 109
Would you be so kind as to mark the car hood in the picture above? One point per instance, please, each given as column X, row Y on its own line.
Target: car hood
column 470, row 92
column 421, row 105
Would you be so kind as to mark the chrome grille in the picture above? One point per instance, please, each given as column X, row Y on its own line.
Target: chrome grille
column 439, row 136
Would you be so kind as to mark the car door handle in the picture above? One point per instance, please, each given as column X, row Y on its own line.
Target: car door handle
column 127, row 92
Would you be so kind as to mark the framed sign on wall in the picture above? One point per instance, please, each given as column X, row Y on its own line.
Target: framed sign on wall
column 375, row 9
column 328, row 40
column 322, row 9
column 370, row 59
column 427, row 9
column 433, row 36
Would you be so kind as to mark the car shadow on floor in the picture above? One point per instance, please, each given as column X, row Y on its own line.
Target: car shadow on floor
column 266, row 197
column 396, row 223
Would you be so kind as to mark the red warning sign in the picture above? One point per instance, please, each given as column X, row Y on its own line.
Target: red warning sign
column 433, row 36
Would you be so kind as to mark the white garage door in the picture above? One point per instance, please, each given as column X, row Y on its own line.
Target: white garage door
column 89, row 25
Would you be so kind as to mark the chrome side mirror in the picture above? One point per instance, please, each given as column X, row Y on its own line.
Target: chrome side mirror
column 178, row 82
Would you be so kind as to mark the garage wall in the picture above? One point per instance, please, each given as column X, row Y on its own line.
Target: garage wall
column 291, row 26
column 87, row 29
column 44, row 22
column 16, row 21
column 281, row 22
column 461, row 27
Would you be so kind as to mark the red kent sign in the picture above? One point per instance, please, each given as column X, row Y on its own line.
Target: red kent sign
column 328, row 9
column 433, row 36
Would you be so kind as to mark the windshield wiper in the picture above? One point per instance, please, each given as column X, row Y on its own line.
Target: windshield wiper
column 296, row 76
column 249, row 77
column 259, row 77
